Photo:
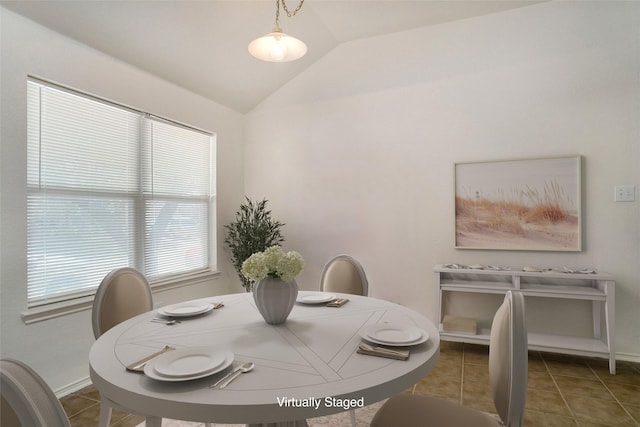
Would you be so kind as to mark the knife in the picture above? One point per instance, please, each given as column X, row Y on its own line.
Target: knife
column 139, row 365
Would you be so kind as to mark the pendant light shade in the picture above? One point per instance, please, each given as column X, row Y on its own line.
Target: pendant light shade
column 277, row 47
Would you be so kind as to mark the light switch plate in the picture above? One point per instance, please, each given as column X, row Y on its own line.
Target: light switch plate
column 625, row 193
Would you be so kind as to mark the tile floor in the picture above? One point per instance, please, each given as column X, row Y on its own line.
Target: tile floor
column 563, row 390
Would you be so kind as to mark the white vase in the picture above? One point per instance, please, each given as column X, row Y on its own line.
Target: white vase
column 275, row 298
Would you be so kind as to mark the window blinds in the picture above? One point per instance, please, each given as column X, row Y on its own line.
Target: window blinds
column 177, row 188
column 111, row 187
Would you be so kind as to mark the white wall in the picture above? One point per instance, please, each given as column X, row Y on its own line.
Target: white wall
column 356, row 155
column 58, row 349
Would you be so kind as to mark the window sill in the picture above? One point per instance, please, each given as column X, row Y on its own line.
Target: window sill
column 64, row 308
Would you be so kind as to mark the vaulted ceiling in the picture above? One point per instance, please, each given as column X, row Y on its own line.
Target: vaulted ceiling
column 202, row 45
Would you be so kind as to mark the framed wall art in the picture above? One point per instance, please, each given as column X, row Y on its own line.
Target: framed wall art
column 527, row 204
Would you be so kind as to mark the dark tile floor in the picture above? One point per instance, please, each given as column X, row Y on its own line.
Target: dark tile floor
column 562, row 390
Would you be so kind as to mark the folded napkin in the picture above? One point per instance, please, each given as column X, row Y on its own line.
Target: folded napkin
column 138, row 366
column 337, row 302
column 370, row 350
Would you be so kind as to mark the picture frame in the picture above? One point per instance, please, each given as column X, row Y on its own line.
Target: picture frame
column 522, row 204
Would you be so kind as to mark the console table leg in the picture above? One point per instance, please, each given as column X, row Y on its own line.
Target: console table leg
column 595, row 308
column 610, row 319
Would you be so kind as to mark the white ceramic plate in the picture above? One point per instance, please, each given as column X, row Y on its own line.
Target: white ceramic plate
column 150, row 369
column 318, row 298
column 394, row 334
column 186, row 309
column 190, row 361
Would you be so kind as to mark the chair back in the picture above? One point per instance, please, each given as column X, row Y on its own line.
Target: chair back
column 122, row 294
column 26, row 399
column 344, row 274
column 508, row 359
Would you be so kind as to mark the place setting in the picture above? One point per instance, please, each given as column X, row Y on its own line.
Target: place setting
column 188, row 363
column 183, row 364
column 321, row 298
column 171, row 314
column 381, row 336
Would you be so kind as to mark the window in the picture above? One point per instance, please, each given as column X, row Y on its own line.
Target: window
column 112, row 187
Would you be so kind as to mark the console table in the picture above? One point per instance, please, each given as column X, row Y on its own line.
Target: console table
column 598, row 288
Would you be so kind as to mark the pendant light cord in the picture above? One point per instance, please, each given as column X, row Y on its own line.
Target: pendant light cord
column 286, row 9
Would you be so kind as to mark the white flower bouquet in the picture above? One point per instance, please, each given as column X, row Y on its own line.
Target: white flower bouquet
column 273, row 262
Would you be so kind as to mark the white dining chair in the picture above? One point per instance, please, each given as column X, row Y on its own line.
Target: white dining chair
column 122, row 294
column 508, row 363
column 344, row 274
column 26, row 399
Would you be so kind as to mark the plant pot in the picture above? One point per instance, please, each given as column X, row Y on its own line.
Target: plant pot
column 275, row 298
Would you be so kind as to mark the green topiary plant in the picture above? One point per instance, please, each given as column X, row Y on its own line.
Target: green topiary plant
column 252, row 231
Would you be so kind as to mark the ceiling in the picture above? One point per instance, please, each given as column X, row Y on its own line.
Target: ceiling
column 202, row 45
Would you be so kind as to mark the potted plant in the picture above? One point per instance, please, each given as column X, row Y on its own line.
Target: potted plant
column 275, row 288
column 252, row 231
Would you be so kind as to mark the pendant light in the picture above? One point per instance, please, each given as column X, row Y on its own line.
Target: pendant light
column 278, row 46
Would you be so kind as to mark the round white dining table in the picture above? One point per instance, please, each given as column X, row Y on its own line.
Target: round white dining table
column 306, row 367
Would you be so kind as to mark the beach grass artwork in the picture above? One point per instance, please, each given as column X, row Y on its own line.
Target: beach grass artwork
column 530, row 204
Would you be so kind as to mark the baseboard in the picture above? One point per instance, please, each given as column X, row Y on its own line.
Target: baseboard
column 627, row 357
column 73, row 387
